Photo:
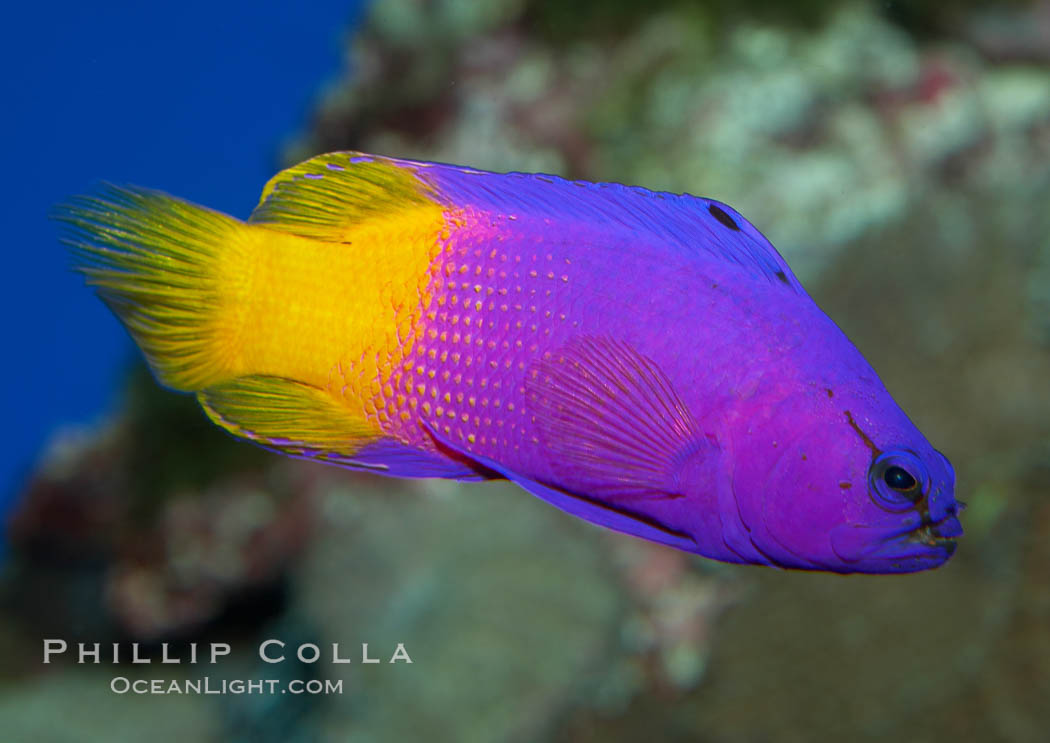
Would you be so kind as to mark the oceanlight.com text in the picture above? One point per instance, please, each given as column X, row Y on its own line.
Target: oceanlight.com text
column 208, row 685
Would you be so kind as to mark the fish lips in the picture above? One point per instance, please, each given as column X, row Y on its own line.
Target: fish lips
column 906, row 544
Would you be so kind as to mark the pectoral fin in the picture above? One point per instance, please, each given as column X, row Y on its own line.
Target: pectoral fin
column 616, row 427
column 612, row 420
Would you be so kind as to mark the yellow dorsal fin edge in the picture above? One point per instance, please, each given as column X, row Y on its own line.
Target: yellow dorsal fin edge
column 325, row 196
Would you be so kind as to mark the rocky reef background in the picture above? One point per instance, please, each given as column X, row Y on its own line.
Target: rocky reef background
column 898, row 157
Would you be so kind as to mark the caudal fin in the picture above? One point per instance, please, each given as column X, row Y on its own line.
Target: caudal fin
column 168, row 269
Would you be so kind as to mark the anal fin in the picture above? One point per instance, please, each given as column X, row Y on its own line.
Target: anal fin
column 287, row 415
column 307, row 422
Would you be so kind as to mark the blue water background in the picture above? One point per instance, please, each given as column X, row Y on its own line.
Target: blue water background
column 195, row 98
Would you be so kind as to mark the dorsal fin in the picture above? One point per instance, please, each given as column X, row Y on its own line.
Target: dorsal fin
column 694, row 225
column 325, row 196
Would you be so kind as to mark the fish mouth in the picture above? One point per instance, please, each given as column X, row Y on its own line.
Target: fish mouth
column 931, row 540
column 943, row 533
column 904, row 547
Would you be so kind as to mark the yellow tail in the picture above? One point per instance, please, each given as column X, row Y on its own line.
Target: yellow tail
column 171, row 271
column 291, row 327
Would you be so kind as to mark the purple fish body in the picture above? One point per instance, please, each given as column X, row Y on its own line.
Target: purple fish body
column 673, row 380
column 648, row 362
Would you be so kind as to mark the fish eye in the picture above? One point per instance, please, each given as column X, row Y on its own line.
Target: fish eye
column 897, row 480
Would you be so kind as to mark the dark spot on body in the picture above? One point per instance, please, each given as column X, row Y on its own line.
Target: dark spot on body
column 845, row 485
column 830, row 393
column 783, row 277
column 722, row 217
